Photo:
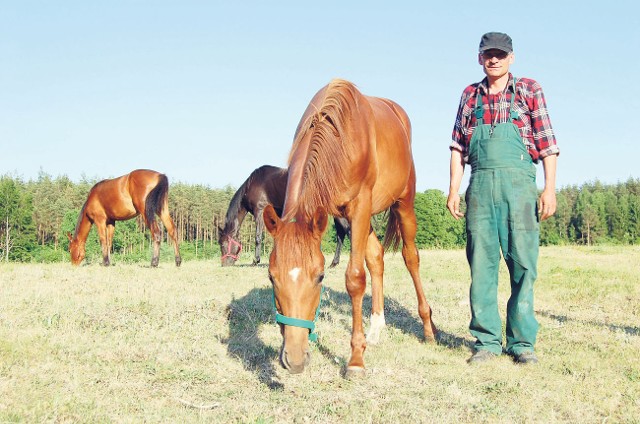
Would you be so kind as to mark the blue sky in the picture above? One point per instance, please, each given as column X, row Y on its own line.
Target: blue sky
column 208, row 91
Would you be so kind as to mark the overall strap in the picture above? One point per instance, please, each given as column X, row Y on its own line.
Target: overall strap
column 479, row 109
column 479, row 105
column 512, row 113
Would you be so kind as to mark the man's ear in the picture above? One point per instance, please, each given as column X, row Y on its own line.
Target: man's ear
column 271, row 220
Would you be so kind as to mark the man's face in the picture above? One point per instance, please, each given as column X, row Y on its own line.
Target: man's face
column 495, row 62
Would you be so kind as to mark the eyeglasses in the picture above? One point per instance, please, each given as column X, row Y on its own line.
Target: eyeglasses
column 498, row 54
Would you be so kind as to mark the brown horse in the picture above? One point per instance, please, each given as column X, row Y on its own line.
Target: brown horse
column 351, row 157
column 140, row 192
column 265, row 185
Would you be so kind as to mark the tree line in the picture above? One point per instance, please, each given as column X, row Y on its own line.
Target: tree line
column 36, row 215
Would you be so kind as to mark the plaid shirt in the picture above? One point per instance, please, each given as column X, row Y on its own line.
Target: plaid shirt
column 533, row 117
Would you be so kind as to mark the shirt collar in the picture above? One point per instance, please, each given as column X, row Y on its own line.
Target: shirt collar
column 483, row 86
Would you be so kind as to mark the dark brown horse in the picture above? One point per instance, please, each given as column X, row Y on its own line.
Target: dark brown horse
column 266, row 185
column 141, row 192
column 351, row 157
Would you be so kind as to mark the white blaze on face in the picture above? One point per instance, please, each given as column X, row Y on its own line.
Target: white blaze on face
column 294, row 273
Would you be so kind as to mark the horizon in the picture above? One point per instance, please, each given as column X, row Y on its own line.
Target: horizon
column 206, row 93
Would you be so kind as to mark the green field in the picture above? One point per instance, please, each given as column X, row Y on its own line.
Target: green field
column 198, row 344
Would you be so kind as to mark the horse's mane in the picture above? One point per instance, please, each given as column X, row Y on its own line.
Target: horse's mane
column 231, row 218
column 325, row 171
column 80, row 216
column 84, row 206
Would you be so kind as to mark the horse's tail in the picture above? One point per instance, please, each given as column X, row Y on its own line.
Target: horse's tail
column 156, row 200
column 392, row 236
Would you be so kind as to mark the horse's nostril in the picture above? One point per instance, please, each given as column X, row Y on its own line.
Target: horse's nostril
column 283, row 359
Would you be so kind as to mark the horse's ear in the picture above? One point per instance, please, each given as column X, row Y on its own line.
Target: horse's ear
column 271, row 220
column 319, row 222
column 69, row 236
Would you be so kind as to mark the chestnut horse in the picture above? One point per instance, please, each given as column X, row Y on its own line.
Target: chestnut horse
column 140, row 192
column 351, row 157
column 265, row 185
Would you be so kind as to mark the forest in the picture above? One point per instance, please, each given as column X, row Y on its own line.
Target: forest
column 37, row 214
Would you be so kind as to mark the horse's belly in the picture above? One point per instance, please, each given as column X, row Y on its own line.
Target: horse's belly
column 122, row 211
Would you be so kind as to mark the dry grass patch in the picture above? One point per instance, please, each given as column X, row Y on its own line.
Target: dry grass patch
column 198, row 344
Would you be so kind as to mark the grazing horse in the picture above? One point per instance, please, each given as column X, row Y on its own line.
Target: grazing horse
column 140, row 192
column 351, row 157
column 266, row 185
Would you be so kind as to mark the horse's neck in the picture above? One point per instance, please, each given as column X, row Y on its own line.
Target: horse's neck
column 296, row 173
column 294, row 185
column 82, row 229
column 232, row 227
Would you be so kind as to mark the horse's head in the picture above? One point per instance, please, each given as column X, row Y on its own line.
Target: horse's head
column 296, row 270
column 230, row 248
column 77, row 250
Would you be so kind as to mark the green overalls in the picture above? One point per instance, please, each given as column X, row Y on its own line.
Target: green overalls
column 501, row 214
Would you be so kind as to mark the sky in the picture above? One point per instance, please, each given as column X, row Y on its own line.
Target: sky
column 207, row 91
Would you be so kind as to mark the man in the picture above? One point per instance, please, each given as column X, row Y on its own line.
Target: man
column 502, row 129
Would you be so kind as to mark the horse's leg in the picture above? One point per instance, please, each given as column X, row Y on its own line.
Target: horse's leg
column 101, row 226
column 111, row 229
column 172, row 231
column 408, row 229
column 356, row 280
column 259, row 232
column 156, row 237
column 341, row 232
column 375, row 263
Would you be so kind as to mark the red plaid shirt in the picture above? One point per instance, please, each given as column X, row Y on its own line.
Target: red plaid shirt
column 533, row 117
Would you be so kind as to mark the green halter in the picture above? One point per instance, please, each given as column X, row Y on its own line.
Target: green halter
column 297, row 322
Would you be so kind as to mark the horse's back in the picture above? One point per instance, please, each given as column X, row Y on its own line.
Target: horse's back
column 393, row 159
column 358, row 144
column 273, row 185
column 123, row 197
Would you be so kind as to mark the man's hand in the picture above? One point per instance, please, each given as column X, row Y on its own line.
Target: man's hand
column 547, row 204
column 453, row 204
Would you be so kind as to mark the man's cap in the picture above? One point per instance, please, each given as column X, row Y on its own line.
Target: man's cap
column 496, row 40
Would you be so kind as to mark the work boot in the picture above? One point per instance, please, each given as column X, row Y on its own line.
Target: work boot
column 481, row 355
column 525, row 358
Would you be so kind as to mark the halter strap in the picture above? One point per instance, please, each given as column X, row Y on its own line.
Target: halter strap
column 298, row 322
column 232, row 242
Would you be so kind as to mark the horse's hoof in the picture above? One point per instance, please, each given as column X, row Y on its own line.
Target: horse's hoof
column 354, row 372
column 372, row 339
column 430, row 338
column 178, row 261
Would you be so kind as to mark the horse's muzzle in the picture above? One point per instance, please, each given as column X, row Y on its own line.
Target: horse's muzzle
column 294, row 363
column 228, row 261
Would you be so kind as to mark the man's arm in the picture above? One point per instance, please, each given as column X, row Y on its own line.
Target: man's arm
column 456, row 171
column 548, row 196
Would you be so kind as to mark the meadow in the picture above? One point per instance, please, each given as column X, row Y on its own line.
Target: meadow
column 129, row 343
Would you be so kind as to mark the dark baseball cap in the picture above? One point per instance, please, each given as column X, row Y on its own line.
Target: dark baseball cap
column 496, row 40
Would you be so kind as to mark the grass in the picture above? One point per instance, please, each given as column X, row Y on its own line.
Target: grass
column 198, row 344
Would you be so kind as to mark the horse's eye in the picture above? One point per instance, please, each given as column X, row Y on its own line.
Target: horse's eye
column 320, row 278
column 271, row 279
